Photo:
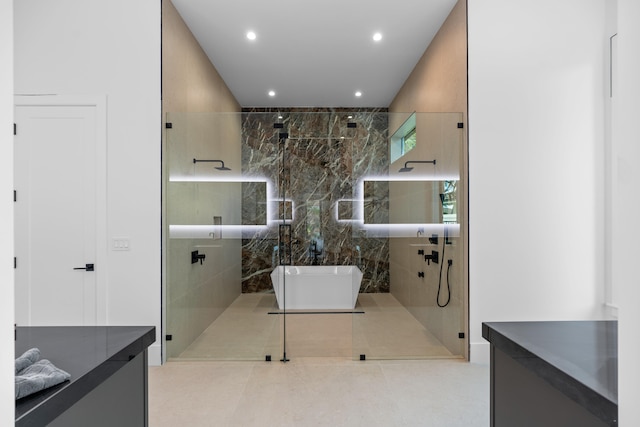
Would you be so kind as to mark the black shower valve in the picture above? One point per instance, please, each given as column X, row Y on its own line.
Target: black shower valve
column 433, row 257
column 421, row 274
column 195, row 257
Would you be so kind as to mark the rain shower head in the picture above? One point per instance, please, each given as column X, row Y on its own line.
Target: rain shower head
column 222, row 167
column 406, row 168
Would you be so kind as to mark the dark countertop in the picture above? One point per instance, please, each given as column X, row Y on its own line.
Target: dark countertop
column 579, row 358
column 91, row 354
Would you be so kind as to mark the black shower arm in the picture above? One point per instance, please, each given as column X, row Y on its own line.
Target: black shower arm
column 419, row 161
column 207, row 161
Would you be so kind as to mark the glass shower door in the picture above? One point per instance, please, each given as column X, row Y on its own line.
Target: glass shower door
column 315, row 176
column 364, row 198
column 214, row 211
column 412, row 205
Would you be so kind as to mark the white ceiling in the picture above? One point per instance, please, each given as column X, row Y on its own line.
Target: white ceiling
column 314, row 52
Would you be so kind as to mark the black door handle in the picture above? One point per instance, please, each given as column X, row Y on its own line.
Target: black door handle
column 87, row 267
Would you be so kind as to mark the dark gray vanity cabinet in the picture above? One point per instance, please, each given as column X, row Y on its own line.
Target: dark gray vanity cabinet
column 553, row 373
column 108, row 367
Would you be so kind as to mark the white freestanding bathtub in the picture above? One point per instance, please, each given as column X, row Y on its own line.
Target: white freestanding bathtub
column 317, row 287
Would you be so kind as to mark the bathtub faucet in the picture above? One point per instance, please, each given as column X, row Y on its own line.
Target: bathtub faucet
column 315, row 249
column 359, row 261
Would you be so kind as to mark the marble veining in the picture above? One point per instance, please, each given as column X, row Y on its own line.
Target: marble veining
column 317, row 165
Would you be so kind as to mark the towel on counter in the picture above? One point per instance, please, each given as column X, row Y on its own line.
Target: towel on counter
column 27, row 359
column 38, row 375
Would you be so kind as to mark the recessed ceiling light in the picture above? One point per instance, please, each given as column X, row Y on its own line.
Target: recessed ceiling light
column 377, row 37
column 272, row 93
column 358, row 94
column 251, row 35
column 349, row 117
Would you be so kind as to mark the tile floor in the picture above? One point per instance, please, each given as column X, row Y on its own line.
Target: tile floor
column 324, row 384
column 384, row 329
column 319, row 392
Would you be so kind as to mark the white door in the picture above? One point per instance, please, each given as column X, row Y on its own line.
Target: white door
column 58, row 193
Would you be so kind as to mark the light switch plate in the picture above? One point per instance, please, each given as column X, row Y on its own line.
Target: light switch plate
column 121, row 244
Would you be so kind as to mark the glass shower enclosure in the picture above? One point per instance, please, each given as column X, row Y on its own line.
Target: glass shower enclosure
column 310, row 233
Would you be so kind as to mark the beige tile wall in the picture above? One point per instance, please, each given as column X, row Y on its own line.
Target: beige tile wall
column 189, row 81
column 195, row 294
column 437, row 84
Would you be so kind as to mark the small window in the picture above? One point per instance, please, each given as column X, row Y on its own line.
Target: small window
column 404, row 139
column 409, row 141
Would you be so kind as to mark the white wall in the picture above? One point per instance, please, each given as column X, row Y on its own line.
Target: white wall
column 626, row 226
column 109, row 48
column 7, row 392
column 536, row 168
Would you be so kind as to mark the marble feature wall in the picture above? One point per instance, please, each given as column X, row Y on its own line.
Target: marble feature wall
column 315, row 172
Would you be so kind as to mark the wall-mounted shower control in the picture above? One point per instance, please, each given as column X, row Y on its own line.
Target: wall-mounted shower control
column 433, row 257
column 433, row 239
column 421, row 274
column 195, row 257
column 420, row 251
